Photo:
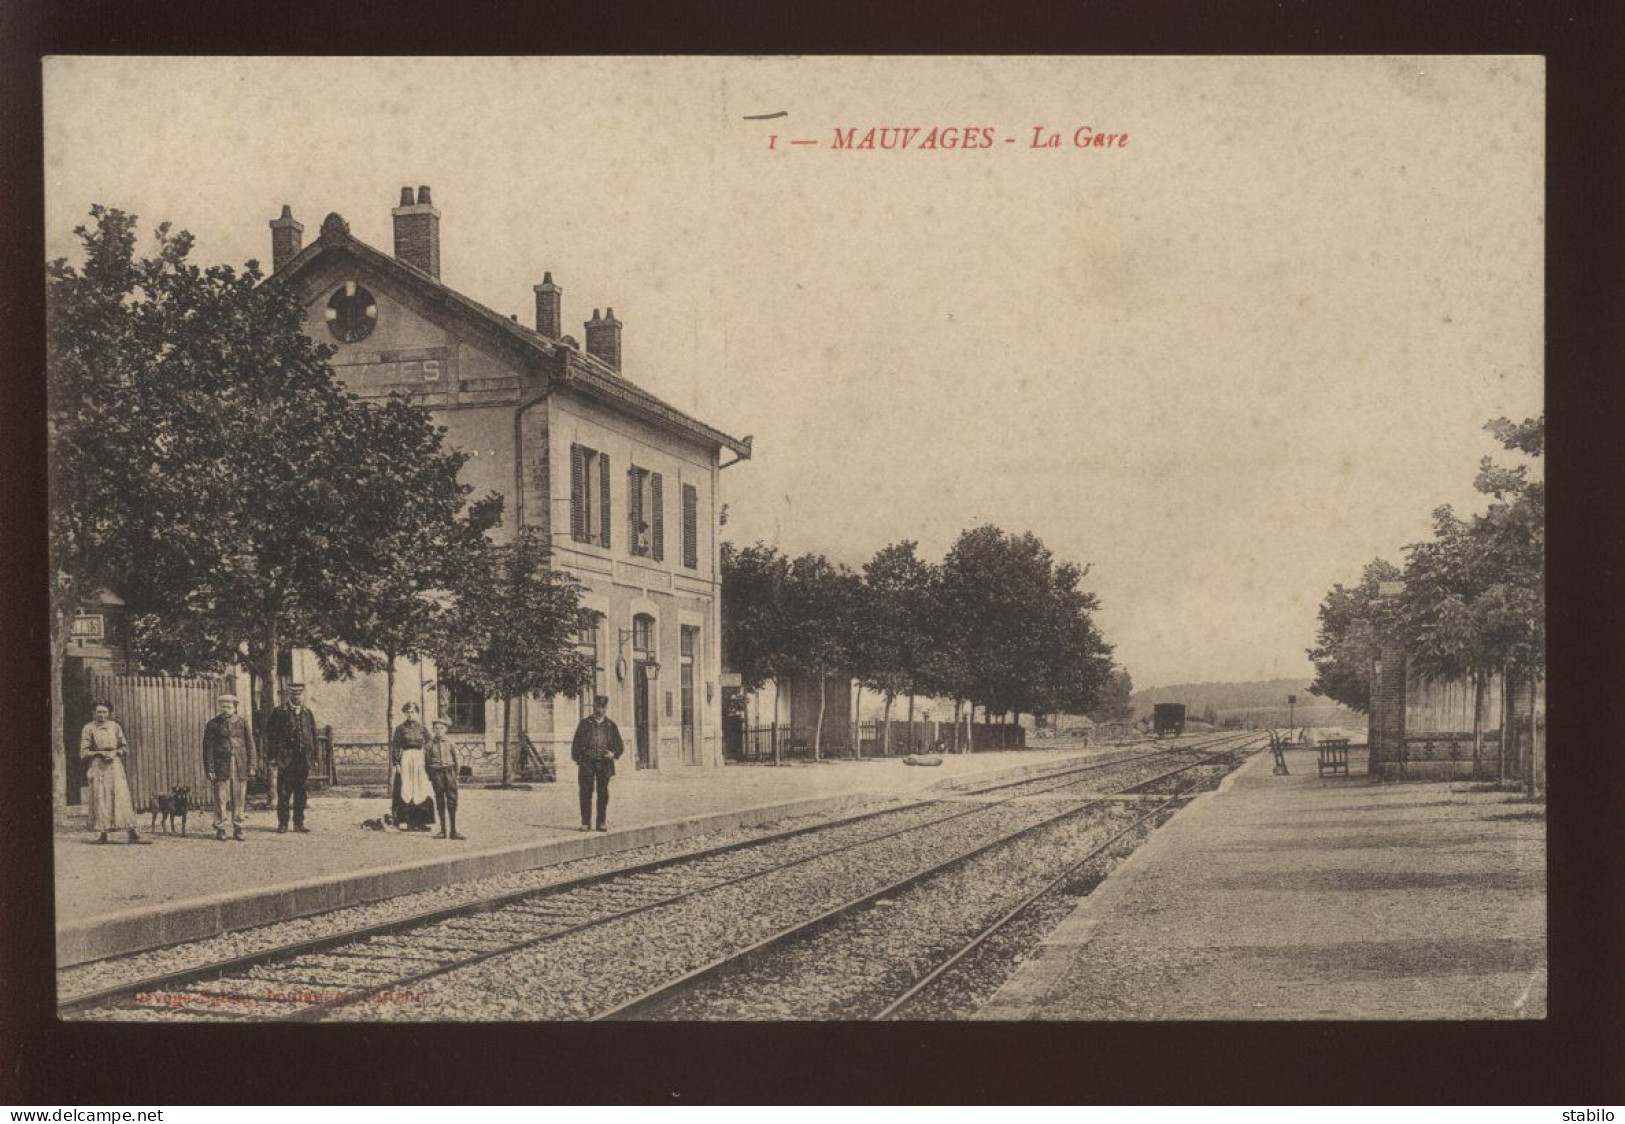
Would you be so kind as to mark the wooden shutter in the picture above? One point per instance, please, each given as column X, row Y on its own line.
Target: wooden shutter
column 657, row 517
column 691, row 526
column 578, row 493
column 634, row 508
column 603, row 498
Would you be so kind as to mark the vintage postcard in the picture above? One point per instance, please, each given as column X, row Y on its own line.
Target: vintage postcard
column 835, row 538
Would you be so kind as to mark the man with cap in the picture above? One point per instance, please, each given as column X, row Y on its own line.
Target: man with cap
column 596, row 746
column 442, row 760
column 228, row 743
column 290, row 747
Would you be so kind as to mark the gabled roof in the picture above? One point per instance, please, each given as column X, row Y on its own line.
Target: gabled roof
column 559, row 363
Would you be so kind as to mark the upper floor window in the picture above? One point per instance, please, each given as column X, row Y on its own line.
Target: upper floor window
column 646, row 519
column 589, row 495
column 691, row 526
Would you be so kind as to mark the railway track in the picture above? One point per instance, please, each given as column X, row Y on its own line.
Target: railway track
column 892, row 952
column 377, row 971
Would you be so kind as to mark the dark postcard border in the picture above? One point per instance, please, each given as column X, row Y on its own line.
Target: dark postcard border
column 1572, row 1058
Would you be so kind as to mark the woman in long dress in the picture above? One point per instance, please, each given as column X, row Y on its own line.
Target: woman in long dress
column 412, row 792
column 103, row 747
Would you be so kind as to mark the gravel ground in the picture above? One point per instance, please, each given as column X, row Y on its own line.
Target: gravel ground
column 571, row 978
column 84, row 978
column 858, row 965
column 95, row 976
column 459, row 938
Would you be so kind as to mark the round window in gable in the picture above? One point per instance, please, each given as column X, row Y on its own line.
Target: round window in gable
column 352, row 313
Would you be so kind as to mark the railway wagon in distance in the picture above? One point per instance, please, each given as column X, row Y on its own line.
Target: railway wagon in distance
column 1168, row 719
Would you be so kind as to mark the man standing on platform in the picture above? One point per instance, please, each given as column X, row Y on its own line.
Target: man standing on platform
column 596, row 746
column 290, row 747
column 228, row 744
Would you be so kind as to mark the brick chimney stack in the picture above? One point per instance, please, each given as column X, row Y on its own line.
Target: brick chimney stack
column 417, row 232
column 287, row 238
column 549, row 306
column 604, row 338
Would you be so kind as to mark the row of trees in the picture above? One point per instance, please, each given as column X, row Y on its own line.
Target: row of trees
column 206, row 463
column 998, row 623
column 1474, row 601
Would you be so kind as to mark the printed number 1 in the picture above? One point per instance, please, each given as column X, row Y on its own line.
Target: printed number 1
column 772, row 141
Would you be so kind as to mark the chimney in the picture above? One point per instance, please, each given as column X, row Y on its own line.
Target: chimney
column 287, row 238
column 549, row 304
column 604, row 338
column 417, row 232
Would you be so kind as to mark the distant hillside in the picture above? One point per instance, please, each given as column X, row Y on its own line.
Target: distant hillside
column 1260, row 702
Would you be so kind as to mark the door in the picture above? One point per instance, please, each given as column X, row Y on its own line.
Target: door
column 641, row 714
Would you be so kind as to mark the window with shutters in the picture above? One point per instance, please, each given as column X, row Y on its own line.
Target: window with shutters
column 589, row 495
column 691, row 526
column 645, row 520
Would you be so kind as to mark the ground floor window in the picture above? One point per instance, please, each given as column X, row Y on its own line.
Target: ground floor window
column 462, row 707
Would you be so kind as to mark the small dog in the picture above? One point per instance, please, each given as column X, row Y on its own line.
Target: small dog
column 378, row 825
column 170, row 808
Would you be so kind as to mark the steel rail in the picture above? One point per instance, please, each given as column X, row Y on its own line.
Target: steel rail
column 977, row 941
column 650, row 1002
column 180, row 978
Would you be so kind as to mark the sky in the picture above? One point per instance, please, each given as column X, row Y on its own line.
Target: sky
column 1223, row 364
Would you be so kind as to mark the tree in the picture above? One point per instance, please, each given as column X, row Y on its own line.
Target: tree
column 1014, row 631
column 511, row 629
column 1474, row 602
column 893, row 638
column 819, row 598
column 1348, row 638
column 94, row 352
column 1116, row 699
column 755, row 628
column 434, row 552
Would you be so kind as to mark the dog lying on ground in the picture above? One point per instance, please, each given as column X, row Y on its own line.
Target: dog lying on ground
column 167, row 809
column 380, row 824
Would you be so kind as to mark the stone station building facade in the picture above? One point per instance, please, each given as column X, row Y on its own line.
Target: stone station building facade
column 621, row 484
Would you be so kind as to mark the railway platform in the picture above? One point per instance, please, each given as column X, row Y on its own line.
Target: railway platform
column 118, row 899
column 1308, row 897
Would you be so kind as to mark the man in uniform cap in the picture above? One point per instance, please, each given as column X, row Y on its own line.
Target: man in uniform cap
column 290, row 747
column 228, row 743
column 596, row 746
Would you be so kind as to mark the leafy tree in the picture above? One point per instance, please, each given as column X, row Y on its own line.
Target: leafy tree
column 511, row 629
column 94, row 353
column 1016, row 632
column 311, row 493
column 819, row 599
column 1116, row 699
column 755, row 627
column 894, row 626
column 1348, row 638
column 1474, row 603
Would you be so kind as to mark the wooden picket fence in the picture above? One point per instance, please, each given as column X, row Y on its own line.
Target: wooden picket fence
column 163, row 718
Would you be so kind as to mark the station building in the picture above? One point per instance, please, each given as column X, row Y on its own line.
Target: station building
column 623, row 485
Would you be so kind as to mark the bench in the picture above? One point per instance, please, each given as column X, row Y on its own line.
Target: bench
column 1334, row 756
